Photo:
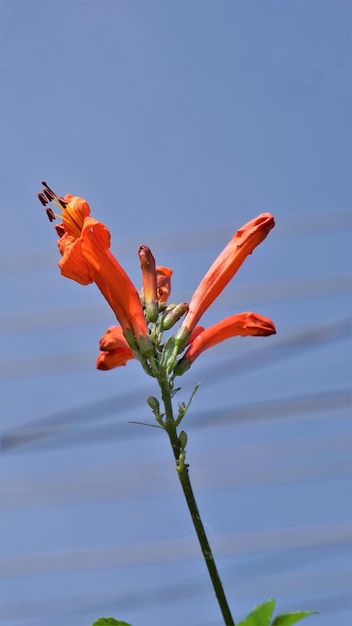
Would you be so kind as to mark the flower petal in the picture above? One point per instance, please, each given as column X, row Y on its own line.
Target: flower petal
column 163, row 283
column 113, row 338
column 114, row 358
column 73, row 263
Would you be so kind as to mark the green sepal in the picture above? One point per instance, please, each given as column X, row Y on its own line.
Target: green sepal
column 181, row 367
column 168, row 355
column 145, row 346
column 260, row 616
column 152, row 310
column 181, row 338
column 287, row 619
column 131, row 338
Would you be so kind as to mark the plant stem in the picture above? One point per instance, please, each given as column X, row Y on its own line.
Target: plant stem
column 204, row 544
column 183, row 474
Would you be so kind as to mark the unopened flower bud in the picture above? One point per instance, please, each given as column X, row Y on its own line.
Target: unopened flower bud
column 183, row 439
column 149, row 281
column 174, row 315
column 153, row 403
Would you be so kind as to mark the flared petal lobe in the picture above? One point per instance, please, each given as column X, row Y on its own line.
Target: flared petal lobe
column 73, row 263
column 74, row 214
column 115, row 350
column 114, row 358
column 113, row 338
column 224, row 267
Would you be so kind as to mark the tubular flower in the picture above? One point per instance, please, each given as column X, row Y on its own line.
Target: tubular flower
column 85, row 248
column 223, row 269
column 163, row 275
column 243, row 324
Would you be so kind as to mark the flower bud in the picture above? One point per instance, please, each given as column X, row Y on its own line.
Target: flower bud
column 183, row 439
column 153, row 403
column 174, row 315
column 149, row 282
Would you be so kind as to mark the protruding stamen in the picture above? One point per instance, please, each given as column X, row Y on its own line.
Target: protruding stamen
column 51, row 215
column 47, row 186
column 62, row 202
column 49, row 194
column 42, row 199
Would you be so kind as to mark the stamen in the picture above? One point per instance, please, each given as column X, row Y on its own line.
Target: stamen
column 49, row 194
column 62, row 202
column 51, row 215
column 42, row 199
column 47, row 186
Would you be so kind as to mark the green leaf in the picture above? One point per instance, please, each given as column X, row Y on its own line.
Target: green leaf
column 287, row 619
column 260, row 616
column 109, row 621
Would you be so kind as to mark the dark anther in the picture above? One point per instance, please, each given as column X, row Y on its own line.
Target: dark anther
column 60, row 230
column 49, row 194
column 47, row 186
column 42, row 199
column 51, row 215
column 62, row 202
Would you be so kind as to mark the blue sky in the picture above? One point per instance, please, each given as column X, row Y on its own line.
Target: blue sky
column 178, row 122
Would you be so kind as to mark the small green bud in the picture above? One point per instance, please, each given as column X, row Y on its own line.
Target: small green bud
column 183, row 439
column 153, row 403
column 172, row 316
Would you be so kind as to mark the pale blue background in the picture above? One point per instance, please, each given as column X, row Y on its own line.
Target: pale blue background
column 178, row 121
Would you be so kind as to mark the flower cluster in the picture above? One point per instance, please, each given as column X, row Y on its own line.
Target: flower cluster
column 84, row 244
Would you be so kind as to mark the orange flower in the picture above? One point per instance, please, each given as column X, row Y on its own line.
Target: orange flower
column 223, row 269
column 243, row 324
column 85, row 248
column 115, row 350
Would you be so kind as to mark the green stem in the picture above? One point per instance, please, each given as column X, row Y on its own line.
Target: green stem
column 183, row 474
column 206, row 549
